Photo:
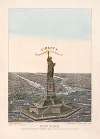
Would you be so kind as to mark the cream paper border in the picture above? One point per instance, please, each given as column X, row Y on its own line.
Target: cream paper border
column 49, row 130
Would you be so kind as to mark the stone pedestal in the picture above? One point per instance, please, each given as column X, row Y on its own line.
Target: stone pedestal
column 50, row 87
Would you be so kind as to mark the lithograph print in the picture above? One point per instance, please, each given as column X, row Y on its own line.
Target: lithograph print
column 49, row 77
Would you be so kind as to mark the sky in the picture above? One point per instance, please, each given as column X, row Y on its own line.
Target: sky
column 51, row 23
column 67, row 29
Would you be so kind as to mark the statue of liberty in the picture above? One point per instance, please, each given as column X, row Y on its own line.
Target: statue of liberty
column 51, row 65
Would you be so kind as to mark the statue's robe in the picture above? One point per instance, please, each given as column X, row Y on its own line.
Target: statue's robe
column 50, row 67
